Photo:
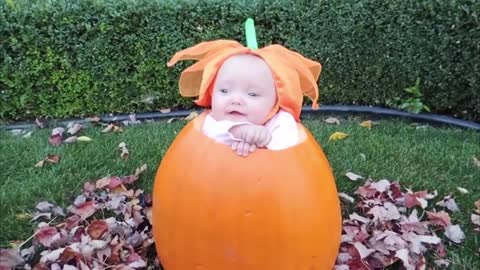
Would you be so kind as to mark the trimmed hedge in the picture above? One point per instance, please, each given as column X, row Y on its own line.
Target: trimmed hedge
column 70, row 58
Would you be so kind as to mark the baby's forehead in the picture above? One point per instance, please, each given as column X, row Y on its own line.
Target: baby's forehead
column 245, row 61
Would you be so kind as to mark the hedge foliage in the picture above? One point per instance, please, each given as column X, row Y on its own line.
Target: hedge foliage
column 70, row 58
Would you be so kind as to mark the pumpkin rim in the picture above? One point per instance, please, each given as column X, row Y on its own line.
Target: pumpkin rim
column 305, row 135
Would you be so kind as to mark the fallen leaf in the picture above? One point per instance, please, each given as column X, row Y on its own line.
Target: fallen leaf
column 191, row 116
column 53, row 158
column 363, row 250
column 169, row 121
column 23, row 216
column 9, row 258
column 44, row 206
column 84, row 139
column 357, row 217
column 332, row 120
column 28, row 135
column 386, row 212
column 402, row 254
column 363, row 157
column 41, row 123
column 89, row 187
column 58, row 131
column 75, row 128
column 346, row 197
column 140, row 170
column 16, row 132
column 475, row 219
column 49, row 236
column 49, row 159
column 39, row 215
column 441, row 218
column 454, row 233
column 84, row 210
column 352, row 176
column 70, row 139
column 337, row 136
column 442, row 263
column 15, row 244
column 449, row 203
column 94, row 119
column 367, row 124
column 113, row 128
column 55, row 139
column 166, row 110
column 462, row 190
column 97, row 229
column 476, row 162
column 124, row 150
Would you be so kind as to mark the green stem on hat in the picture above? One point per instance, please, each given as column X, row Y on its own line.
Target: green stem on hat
column 250, row 34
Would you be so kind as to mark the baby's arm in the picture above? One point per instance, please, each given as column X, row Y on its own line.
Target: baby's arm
column 252, row 136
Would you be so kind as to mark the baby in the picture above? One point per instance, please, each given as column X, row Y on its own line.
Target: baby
column 243, row 113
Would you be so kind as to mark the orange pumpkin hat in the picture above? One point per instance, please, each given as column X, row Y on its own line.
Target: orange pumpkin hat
column 294, row 74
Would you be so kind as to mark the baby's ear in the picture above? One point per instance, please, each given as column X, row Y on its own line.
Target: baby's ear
column 202, row 50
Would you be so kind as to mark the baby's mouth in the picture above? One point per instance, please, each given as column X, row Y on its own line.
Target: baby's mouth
column 236, row 113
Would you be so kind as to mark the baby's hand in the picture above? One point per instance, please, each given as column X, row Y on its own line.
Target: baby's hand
column 253, row 135
column 243, row 148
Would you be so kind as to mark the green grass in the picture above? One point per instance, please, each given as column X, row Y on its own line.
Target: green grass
column 428, row 158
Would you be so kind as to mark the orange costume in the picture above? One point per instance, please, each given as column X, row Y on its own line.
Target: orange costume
column 294, row 74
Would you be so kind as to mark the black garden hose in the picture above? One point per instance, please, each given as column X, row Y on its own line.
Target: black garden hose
column 324, row 109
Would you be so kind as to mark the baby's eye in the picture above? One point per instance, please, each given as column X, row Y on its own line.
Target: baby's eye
column 252, row 94
column 224, row 91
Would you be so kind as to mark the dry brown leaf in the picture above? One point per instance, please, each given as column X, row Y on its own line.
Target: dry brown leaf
column 70, row 139
column 140, row 170
column 23, row 216
column 337, row 136
column 332, row 120
column 27, row 135
column 475, row 219
column 94, row 119
column 449, row 203
column 10, row 258
column 41, row 123
column 169, row 121
column 84, row 139
column 454, row 233
column 75, row 128
column 112, row 128
column 123, row 150
column 352, row 176
column 166, row 110
column 367, row 124
column 346, row 197
column 462, row 190
column 476, row 162
column 191, row 116
column 49, row 159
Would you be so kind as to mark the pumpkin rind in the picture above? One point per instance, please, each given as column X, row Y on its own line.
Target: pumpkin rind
column 214, row 210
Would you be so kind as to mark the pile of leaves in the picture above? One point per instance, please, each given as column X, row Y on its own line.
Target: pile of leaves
column 386, row 229
column 107, row 226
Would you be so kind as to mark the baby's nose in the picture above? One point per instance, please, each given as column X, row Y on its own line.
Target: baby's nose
column 236, row 99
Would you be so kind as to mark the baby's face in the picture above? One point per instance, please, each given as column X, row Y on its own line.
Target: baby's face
column 244, row 90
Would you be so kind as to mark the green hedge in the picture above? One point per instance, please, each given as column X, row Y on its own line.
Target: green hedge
column 74, row 58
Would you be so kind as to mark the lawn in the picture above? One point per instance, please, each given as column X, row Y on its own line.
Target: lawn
column 419, row 157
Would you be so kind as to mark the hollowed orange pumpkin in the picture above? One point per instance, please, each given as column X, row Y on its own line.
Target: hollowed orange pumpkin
column 215, row 210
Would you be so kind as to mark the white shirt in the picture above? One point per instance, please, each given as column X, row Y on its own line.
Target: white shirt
column 282, row 126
